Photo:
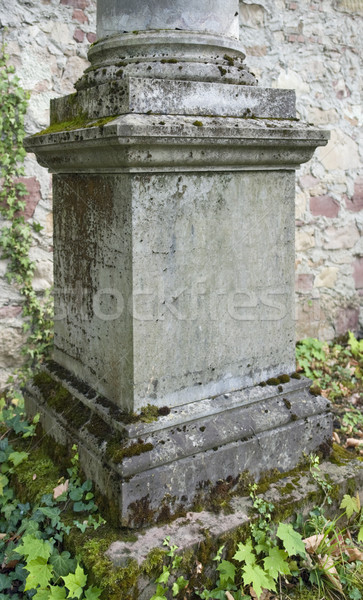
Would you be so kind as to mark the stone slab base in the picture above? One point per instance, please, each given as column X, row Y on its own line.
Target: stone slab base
column 200, row 529
column 152, row 470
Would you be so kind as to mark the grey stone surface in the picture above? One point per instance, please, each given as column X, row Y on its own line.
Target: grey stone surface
column 188, row 532
column 174, row 253
column 147, row 143
column 220, row 16
column 165, row 54
column 193, row 447
column 165, row 97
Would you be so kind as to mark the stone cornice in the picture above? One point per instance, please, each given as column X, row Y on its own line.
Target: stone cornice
column 149, row 143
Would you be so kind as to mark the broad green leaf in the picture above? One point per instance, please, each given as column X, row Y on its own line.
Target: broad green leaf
column 179, row 585
column 255, row 576
column 245, row 553
column 164, row 577
column 62, row 563
column 275, row 563
column 227, row 572
column 33, row 548
column 57, row 593
column 92, row 593
column 350, row 504
column 360, row 534
column 75, row 582
column 3, row 483
column 159, row 594
column 40, row 573
column 41, row 594
column 291, row 539
column 5, row 582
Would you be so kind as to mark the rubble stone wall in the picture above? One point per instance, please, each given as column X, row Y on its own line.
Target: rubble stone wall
column 311, row 46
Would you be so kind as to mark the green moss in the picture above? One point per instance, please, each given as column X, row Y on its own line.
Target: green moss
column 198, row 123
column 229, row 59
column 169, row 60
column 287, row 403
column 62, row 401
column 273, row 381
column 284, row 378
column 339, row 455
column 153, row 564
column 315, row 390
column 83, row 121
column 222, row 71
column 296, row 376
column 117, row 452
column 36, row 476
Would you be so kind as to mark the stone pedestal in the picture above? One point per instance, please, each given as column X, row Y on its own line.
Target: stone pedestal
column 174, row 262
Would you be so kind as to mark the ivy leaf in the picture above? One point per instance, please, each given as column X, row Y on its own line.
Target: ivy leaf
column 245, row 553
column 57, row 593
column 92, row 593
column 75, row 582
column 275, row 563
column 3, row 483
column 5, row 582
column 227, row 572
column 254, row 575
column 62, row 563
column 164, row 577
column 291, row 539
column 350, row 504
column 76, row 494
column 179, row 585
column 159, row 594
column 40, row 574
column 34, row 548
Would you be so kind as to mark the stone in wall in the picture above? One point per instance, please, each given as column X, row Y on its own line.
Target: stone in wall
column 315, row 47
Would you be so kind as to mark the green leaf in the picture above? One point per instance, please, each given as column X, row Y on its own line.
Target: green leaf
column 164, row 577
column 245, row 553
column 57, row 593
column 32, row 548
column 62, row 563
column 92, row 593
column 275, row 563
column 179, row 585
column 255, row 576
column 291, row 539
column 41, row 594
column 360, row 534
column 75, row 582
column 5, row 582
column 3, row 483
column 40, row 573
column 227, row 572
column 159, row 594
column 350, row 504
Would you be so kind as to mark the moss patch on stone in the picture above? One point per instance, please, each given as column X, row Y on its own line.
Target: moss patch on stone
column 83, row 121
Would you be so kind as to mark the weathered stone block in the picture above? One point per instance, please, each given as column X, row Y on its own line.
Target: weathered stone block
column 148, row 468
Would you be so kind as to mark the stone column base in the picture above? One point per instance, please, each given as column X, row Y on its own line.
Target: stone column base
column 166, row 461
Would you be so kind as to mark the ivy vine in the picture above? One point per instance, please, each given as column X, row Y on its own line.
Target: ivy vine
column 16, row 236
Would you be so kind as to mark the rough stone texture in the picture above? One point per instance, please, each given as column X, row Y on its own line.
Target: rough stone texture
column 189, row 531
column 203, row 259
column 190, row 449
column 314, row 48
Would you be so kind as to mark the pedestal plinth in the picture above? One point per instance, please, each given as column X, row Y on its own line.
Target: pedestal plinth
column 174, row 271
